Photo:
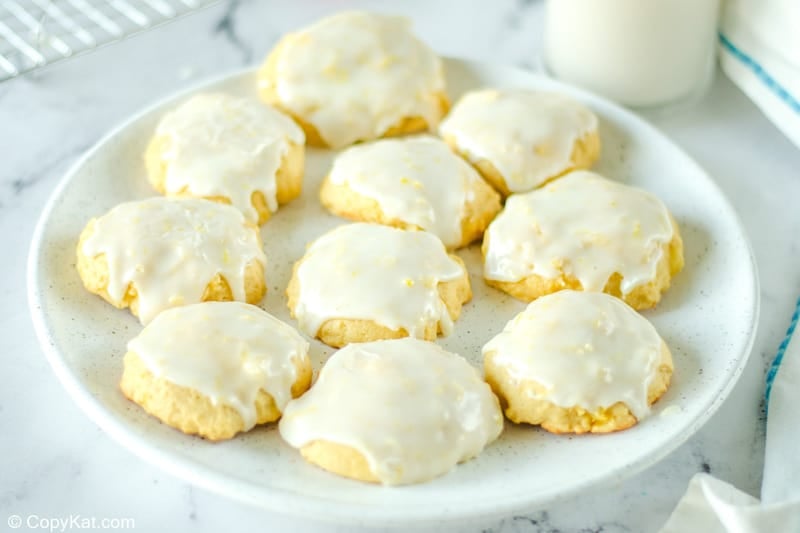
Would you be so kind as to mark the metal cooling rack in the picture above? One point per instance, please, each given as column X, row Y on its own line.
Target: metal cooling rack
column 36, row 33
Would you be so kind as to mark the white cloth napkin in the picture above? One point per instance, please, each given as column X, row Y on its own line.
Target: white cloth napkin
column 713, row 506
column 760, row 52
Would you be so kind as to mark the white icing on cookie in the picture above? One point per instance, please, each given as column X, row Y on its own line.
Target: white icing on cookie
column 588, row 350
column 378, row 273
column 226, row 146
column 528, row 136
column 171, row 248
column 226, row 351
column 354, row 75
column 409, row 407
column 418, row 180
column 583, row 225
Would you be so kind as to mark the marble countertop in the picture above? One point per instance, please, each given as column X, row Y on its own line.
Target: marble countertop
column 57, row 463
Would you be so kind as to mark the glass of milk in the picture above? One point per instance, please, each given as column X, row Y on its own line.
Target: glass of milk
column 641, row 53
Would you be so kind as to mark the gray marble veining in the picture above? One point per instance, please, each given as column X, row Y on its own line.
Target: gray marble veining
column 55, row 462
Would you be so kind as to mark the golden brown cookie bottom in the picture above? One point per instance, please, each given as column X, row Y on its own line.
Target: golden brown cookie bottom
column 288, row 178
column 644, row 296
column 189, row 411
column 519, row 400
column 584, row 153
column 342, row 331
column 483, row 204
column 93, row 272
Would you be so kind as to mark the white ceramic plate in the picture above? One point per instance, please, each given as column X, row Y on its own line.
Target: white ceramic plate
column 708, row 318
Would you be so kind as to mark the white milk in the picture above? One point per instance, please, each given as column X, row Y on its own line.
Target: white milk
column 638, row 52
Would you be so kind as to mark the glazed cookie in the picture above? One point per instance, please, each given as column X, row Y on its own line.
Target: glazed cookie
column 415, row 183
column 587, row 233
column 364, row 282
column 228, row 149
column 520, row 139
column 393, row 412
column 165, row 252
column 577, row 362
column 215, row 369
column 354, row 77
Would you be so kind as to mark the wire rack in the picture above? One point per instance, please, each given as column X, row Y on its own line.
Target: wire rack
column 37, row 33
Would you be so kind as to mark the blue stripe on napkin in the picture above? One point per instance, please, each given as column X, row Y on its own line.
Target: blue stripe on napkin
column 776, row 363
column 780, row 91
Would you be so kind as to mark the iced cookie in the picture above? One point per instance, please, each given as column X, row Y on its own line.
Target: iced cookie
column 228, row 149
column 577, row 362
column 165, row 252
column 587, row 233
column 363, row 282
column 215, row 369
column 417, row 183
column 393, row 412
column 519, row 139
column 355, row 76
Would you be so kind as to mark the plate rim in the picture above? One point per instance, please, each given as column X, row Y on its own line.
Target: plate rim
column 289, row 503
